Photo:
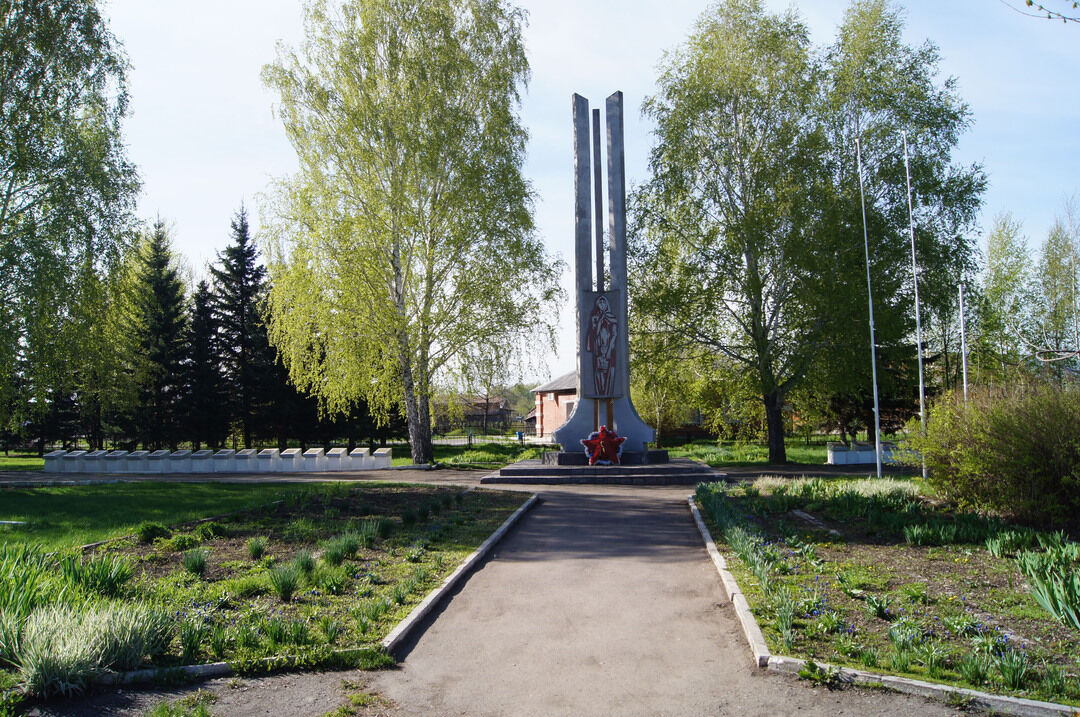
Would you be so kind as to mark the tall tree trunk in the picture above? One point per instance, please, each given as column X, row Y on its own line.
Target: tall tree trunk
column 774, row 421
column 412, row 413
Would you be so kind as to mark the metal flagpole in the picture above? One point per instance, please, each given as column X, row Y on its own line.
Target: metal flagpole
column 870, row 297
column 963, row 341
column 915, row 283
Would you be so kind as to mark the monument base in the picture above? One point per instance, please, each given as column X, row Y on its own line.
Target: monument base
column 628, row 458
column 678, row 471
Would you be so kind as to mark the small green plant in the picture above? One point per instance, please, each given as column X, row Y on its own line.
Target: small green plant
column 933, row 657
column 276, row 631
column 900, row 660
column 219, row 640
column 1053, row 680
column 960, row 625
column 343, row 546
column 246, row 636
column 299, row 633
column 818, row 675
column 846, row 646
column 903, row 634
column 975, row 669
column 192, row 634
column 333, row 581
column 878, row 606
column 257, row 545
column 101, row 574
column 148, row 532
column 415, row 555
column 304, row 561
column 399, row 594
column 181, row 542
column 869, row 657
column 408, row 518
column 195, row 561
column 916, row 593
column 196, row 705
column 285, row 580
column 331, row 628
column 369, row 532
column 211, row 530
column 363, row 624
column 829, row 622
column 301, row 530
column 1012, row 666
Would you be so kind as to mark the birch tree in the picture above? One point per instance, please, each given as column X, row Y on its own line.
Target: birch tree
column 406, row 235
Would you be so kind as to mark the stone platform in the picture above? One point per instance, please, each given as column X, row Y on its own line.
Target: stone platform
column 679, row 471
column 627, row 458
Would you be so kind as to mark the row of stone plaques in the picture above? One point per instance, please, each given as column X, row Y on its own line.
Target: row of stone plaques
column 248, row 460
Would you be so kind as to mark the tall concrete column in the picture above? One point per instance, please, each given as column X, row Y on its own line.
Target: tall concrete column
column 603, row 344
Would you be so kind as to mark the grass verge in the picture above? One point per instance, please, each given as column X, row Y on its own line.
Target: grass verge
column 341, row 564
column 869, row 574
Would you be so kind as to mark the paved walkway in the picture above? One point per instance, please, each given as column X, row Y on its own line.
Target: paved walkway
column 602, row 601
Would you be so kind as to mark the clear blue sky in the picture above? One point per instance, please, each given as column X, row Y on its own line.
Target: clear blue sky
column 204, row 138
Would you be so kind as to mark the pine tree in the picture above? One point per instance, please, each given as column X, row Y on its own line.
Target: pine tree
column 203, row 418
column 159, row 326
column 239, row 288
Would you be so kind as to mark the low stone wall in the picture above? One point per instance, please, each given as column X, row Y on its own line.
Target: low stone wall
column 248, row 460
column 862, row 454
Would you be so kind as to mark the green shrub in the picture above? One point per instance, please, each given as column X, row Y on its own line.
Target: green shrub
column 192, row 634
column 195, row 561
column 257, row 545
column 285, row 579
column 333, row 581
column 305, row 561
column 211, row 530
column 180, row 542
column 1008, row 452
column 62, row 647
column 100, row 574
column 149, row 532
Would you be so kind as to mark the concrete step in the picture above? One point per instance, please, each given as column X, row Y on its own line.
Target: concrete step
column 688, row 479
column 676, row 466
column 679, row 471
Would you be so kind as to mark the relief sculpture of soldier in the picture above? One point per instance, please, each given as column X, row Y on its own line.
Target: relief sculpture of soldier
column 600, row 342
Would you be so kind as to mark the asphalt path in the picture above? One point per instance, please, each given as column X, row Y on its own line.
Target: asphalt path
column 603, row 601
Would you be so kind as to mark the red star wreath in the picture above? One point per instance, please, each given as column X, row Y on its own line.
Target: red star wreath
column 603, row 447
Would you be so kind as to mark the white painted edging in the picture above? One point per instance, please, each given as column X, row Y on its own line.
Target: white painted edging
column 742, row 608
column 997, row 703
column 403, row 628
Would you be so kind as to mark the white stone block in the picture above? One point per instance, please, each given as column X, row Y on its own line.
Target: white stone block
column 337, row 459
column 268, row 461
column 223, row 461
column 74, row 462
column 93, row 462
column 136, row 462
column 359, row 459
column 158, row 462
column 292, row 460
column 179, row 462
column 202, row 461
column 383, row 458
column 244, row 460
column 116, row 461
column 53, row 463
column 314, row 460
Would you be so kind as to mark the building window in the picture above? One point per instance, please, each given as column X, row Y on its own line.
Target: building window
column 569, row 408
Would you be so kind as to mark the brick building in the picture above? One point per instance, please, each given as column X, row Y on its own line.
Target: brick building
column 555, row 401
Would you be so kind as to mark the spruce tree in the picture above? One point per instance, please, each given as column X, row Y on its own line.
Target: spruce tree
column 239, row 288
column 204, row 420
column 159, row 324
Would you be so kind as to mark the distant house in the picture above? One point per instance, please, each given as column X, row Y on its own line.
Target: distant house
column 555, row 401
column 493, row 414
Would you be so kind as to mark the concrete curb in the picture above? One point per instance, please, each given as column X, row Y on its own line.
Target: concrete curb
column 403, row 628
column 742, row 608
column 792, row 665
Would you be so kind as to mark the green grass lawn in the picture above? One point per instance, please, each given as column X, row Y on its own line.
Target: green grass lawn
column 21, row 462
column 61, row 517
column 337, row 566
column 732, row 453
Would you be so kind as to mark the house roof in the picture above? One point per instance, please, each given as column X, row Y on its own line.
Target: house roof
column 567, row 382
